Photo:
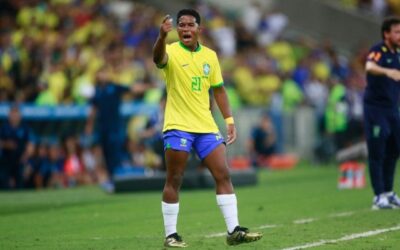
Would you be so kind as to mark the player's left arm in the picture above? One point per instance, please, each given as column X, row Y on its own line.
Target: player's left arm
column 221, row 99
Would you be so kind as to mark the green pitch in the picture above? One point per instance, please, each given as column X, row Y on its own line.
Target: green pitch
column 301, row 207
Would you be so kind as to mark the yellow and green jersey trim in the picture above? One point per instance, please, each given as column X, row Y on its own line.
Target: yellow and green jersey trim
column 186, row 48
column 217, row 85
column 161, row 66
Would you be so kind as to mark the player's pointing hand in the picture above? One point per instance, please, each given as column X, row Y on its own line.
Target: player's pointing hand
column 166, row 26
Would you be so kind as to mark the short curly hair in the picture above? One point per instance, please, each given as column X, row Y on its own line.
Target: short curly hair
column 188, row 12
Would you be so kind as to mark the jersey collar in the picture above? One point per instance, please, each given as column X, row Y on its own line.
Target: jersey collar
column 186, row 48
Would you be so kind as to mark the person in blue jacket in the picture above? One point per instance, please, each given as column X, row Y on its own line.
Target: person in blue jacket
column 16, row 146
column 381, row 114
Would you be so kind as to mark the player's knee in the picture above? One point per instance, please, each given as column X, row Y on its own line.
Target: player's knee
column 175, row 180
column 223, row 178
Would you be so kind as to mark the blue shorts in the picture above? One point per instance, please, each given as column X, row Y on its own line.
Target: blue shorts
column 203, row 143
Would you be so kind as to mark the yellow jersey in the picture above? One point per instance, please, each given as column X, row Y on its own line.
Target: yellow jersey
column 189, row 75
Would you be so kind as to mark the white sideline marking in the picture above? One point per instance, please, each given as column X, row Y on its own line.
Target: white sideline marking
column 304, row 221
column 215, row 235
column 266, row 226
column 345, row 238
column 224, row 233
column 344, row 214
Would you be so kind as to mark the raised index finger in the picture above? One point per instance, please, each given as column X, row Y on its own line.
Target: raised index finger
column 167, row 17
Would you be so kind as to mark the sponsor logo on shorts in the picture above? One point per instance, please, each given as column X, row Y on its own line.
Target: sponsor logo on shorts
column 183, row 142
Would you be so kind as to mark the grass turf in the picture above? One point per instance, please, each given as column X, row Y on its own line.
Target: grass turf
column 86, row 218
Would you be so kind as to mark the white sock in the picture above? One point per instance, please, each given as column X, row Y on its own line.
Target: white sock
column 228, row 205
column 170, row 214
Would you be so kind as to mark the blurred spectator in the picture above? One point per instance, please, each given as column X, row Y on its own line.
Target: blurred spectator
column 244, row 38
column 271, row 27
column 251, row 16
column 336, row 114
column 16, row 145
column 224, row 36
column 73, row 168
column 121, row 9
column 152, row 136
column 292, row 95
column 262, row 141
column 139, row 156
column 93, row 162
column 33, row 177
column 9, row 66
column 355, row 93
column 48, row 161
column 316, row 93
column 52, row 169
column 379, row 7
column 375, row 7
column 7, row 87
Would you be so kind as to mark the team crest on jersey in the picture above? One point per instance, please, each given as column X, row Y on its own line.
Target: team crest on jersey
column 206, row 69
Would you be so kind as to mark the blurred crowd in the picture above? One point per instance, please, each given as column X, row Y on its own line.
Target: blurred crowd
column 27, row 161
column 51, row 50
column 375, row 7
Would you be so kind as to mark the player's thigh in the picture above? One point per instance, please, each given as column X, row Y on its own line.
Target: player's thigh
column 205, row 144
column 216, row 162
column 175, row 161
column 177, row 146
